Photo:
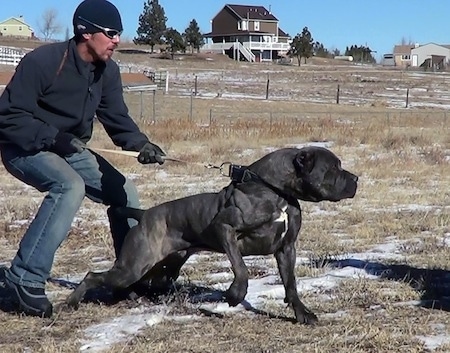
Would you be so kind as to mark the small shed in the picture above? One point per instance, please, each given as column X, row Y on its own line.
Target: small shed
column 430, row 54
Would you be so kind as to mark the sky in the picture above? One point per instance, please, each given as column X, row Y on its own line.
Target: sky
column 379, row 24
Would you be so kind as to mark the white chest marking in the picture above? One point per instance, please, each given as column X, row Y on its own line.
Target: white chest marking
column 283, row 217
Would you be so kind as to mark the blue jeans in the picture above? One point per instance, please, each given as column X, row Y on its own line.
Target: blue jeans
column 66, row 181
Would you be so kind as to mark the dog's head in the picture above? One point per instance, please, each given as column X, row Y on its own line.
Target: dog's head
column 309, row 174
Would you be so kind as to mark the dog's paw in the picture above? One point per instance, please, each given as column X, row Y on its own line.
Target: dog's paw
column 308, row 318
column 232, row 298
column 73, row 302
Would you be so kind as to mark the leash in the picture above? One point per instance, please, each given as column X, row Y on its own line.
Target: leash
column 172, row 159
column 237, row 173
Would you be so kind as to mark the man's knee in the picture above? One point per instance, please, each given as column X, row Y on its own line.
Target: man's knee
column 73, row 186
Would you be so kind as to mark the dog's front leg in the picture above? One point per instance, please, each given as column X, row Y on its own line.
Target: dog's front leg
column 224, row 229
column 238, row 289
column 285, row 257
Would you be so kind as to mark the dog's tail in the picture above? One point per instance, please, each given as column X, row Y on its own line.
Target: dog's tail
column 128, row 212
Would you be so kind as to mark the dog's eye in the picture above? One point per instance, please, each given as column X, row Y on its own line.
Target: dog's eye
column 337, row 167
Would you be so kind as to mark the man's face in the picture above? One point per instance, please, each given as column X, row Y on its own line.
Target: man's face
column 102, row 47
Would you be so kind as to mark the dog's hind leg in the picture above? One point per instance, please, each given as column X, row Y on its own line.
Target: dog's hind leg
column 286, row 262
column 166, row 272
column 136, row 258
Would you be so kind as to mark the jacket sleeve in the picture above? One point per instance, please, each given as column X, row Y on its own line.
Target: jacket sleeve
column 113, row 114
column 17, row 104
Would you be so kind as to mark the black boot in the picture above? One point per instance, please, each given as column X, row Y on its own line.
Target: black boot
column 32, row 301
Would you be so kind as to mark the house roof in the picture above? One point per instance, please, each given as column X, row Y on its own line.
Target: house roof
column 252, row 12
column 447, row 46
column 282, row 33
column 135, row 79
column 238, row 33
column 403, row 49
column 16, row 19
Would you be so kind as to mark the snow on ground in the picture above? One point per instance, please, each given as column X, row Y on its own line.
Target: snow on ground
column 100, row 337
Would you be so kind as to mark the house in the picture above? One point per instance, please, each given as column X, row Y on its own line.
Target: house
column 402, row 55
column 16, row 27
column 247, row 32
column 431, row 56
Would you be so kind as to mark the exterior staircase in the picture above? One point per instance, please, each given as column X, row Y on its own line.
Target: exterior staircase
column 246, row 52
column 236, row 47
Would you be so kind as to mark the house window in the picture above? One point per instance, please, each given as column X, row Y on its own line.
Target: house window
column 239, row 25
column 244, row 25
column 256, row 25
column 20, row 28
column 406, row 57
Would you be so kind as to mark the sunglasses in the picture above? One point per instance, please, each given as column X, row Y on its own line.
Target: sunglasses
column 109, row 32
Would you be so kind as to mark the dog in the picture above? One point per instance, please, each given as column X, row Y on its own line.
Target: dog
column 258, row 213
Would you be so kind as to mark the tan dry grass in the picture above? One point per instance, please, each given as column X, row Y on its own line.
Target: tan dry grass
column 404, row 169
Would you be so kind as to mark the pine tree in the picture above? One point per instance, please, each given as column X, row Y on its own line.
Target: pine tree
column 152, row 24
column 361, row 54
column 193, row 36
column 174, row 41
column 320, row 51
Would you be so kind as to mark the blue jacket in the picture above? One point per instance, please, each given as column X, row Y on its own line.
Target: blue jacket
column 54, row 90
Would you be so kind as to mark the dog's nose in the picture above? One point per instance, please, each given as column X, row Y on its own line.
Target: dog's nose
column 353, row 177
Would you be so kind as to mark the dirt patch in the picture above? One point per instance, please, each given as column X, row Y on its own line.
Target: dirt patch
column 5, row 77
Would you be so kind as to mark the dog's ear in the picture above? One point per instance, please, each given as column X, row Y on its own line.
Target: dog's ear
column 304, row 161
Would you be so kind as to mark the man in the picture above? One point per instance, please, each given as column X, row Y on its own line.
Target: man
column 46, row 117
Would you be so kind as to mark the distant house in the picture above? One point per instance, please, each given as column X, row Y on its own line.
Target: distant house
column 16, row 27
column 402, row 55
column 247, row 32
column 431, row 56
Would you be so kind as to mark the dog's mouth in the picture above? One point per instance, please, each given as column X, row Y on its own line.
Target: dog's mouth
column 334, row 192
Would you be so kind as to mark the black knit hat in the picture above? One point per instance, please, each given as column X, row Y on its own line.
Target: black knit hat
column 99, row 12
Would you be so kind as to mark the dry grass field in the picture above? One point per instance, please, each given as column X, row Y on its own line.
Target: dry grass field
column 375, row 268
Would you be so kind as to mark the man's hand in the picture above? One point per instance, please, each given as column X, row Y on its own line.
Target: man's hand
column 151, row 153
column 66, row 144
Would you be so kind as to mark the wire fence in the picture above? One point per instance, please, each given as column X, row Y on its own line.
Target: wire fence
column 270, row 93
column 156, row 106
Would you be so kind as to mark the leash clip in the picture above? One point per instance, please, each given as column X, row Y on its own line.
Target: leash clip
column 225, row 168
column 228, row 172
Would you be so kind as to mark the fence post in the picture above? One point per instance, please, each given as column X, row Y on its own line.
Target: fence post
column 142, row 106
column 210, row 116
column 337, row 93
column 154, row 106
column 195, row 85
column 190, row 107
column 167, row 81
column 267, row 87
column 407, row 97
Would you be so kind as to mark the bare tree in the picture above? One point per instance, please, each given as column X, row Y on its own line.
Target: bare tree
column 48, row 25
column 405, row 41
